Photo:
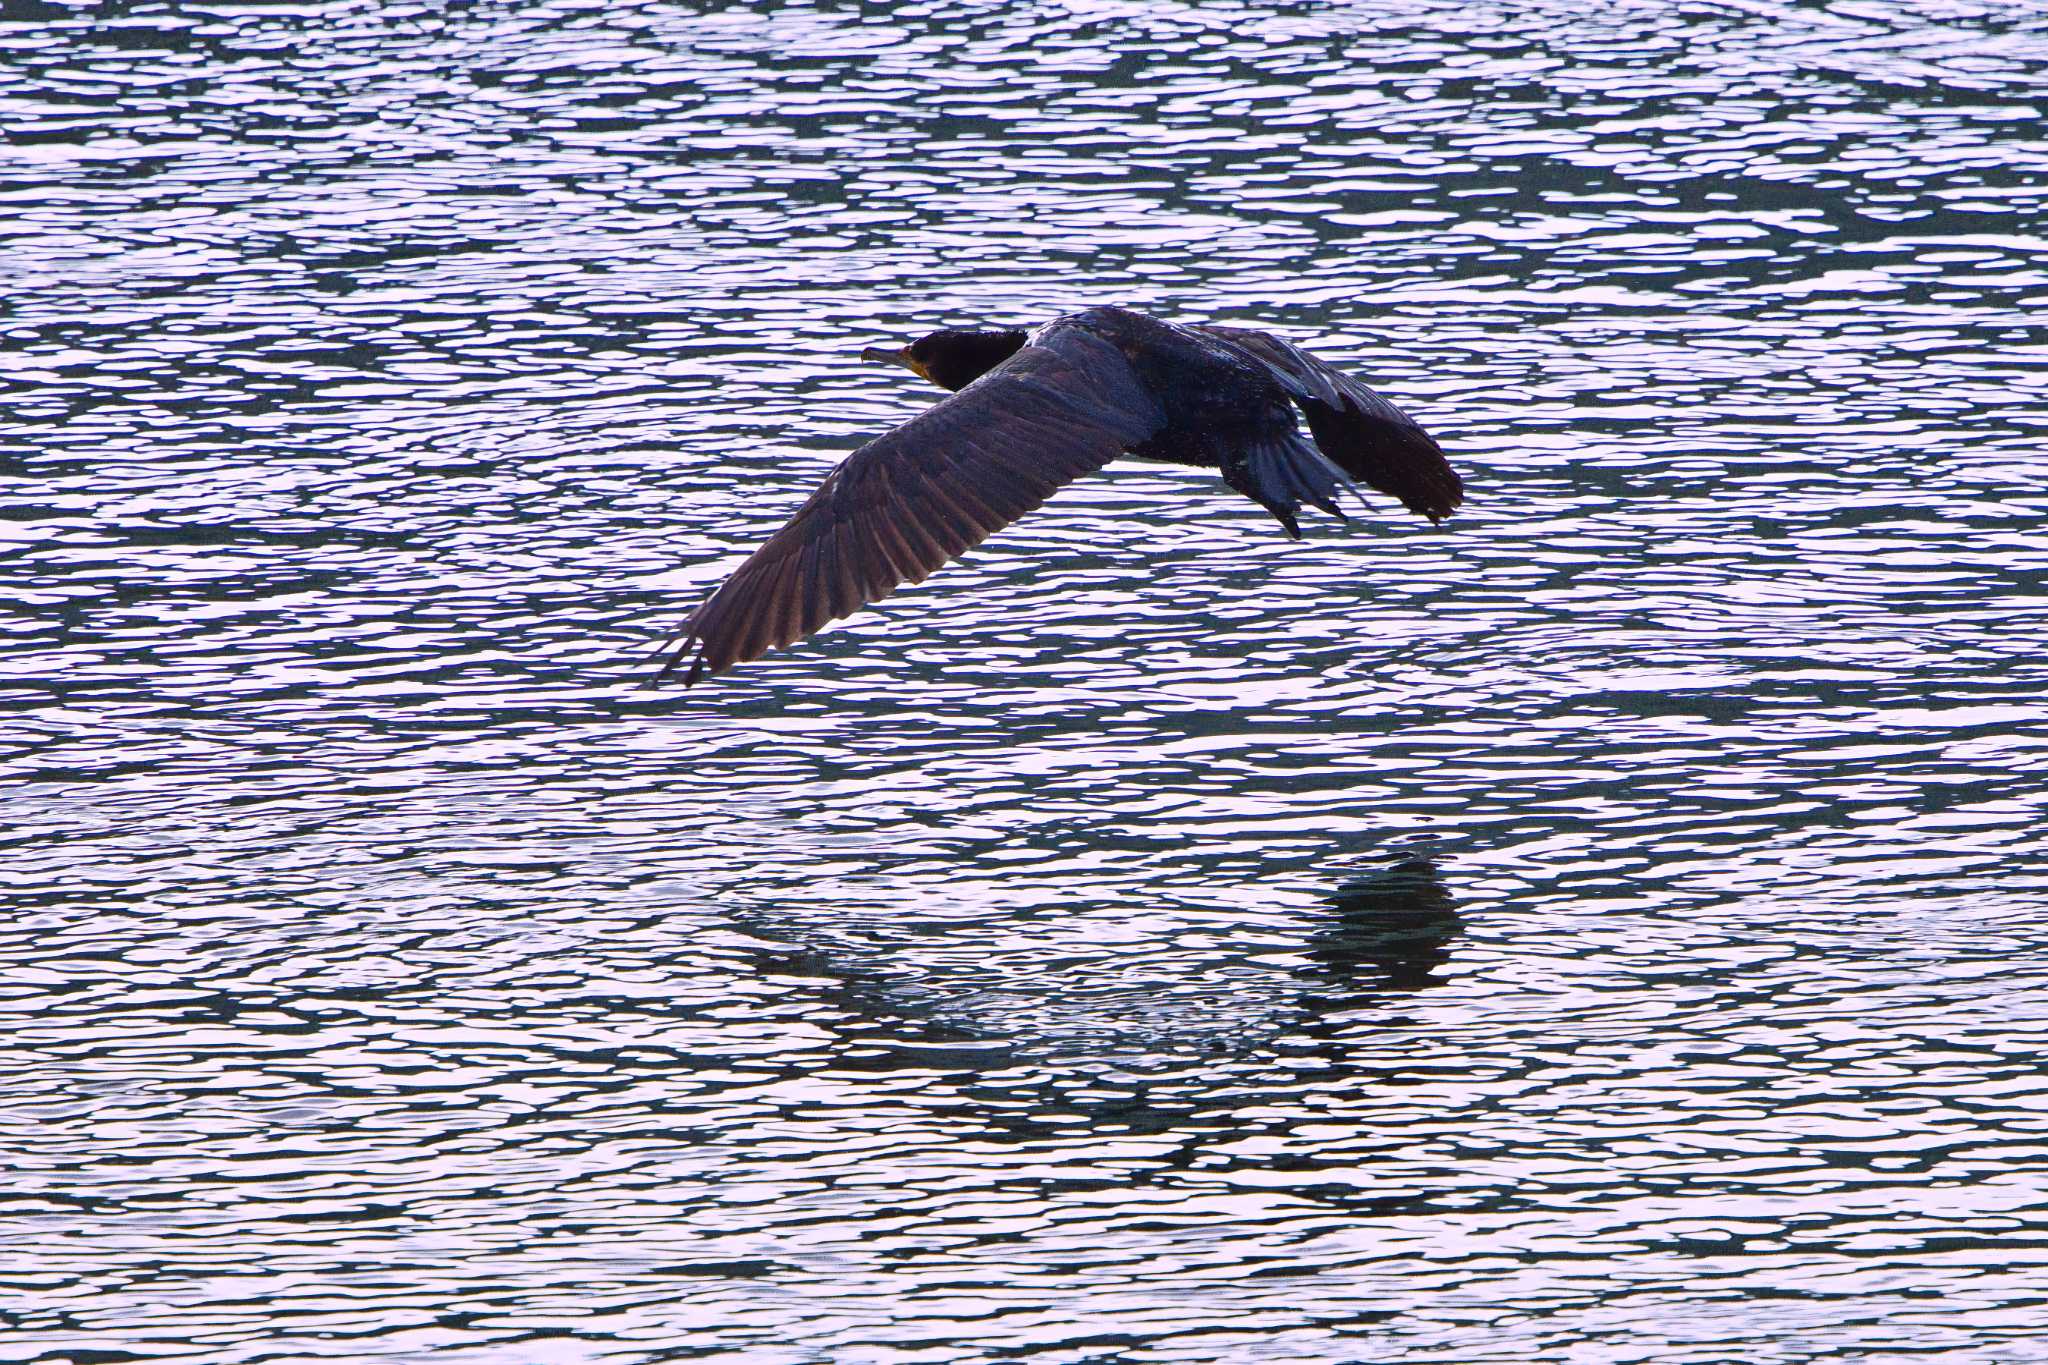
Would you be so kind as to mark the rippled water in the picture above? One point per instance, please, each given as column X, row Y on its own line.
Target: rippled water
column 1608, row 928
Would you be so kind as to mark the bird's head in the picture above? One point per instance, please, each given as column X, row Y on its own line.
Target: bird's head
column 952, row 358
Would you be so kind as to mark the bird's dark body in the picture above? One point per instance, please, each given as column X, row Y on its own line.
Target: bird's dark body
column 1209, row 398
column 1032, row 411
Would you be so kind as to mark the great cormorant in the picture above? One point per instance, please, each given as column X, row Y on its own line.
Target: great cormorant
column 1033, row 410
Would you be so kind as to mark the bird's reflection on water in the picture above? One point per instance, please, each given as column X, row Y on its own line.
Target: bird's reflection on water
column 1380, row 932
column 1009, row 1044
column 1393, row 928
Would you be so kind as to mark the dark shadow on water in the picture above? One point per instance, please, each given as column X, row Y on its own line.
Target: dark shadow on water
column 1390, row 932
column 1385, row 933
column 1378, row 936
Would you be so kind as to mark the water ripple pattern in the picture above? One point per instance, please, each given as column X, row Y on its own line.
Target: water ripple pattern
column 1610, row 927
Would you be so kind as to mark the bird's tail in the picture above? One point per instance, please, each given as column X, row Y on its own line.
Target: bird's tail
column 1283, row 471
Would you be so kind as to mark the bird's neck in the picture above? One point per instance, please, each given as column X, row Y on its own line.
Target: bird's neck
column 972, row 355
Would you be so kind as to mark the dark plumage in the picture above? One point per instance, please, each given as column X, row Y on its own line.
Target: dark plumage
column 1032, row 411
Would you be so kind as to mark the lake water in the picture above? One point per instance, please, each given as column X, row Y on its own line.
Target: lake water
column 1610, row 927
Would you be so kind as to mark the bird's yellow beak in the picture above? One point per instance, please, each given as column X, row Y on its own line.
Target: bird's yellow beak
column 896, row 357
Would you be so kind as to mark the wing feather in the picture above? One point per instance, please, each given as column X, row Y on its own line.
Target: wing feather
column 906, row 503
column 1362, row 433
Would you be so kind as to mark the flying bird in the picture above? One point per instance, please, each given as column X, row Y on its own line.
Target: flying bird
column 1032, row 410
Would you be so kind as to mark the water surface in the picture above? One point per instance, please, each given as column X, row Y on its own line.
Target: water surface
column 1610, row 927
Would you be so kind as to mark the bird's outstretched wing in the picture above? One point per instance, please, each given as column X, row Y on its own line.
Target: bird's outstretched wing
column 1363, row 434
column 904, row 504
